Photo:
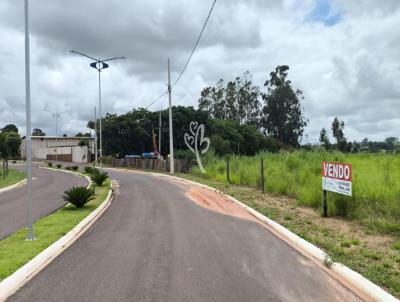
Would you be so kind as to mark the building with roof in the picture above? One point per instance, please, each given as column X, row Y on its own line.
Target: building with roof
column 68, row 149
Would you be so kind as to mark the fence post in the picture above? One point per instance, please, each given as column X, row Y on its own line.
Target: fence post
column 227, row 170
column 262, row 175
column 325, row 203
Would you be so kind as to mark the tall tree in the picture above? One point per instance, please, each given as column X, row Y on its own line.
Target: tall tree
column 238, row 100
column 80, row 134
column 10, row 128
column 282, row 113
column 90, row 125
column 323, row 139
column 9, row 148
column 249, row 106
column 38, row 132
column 338, row 134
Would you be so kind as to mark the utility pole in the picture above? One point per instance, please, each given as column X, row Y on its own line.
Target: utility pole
column 171, row 138
column 159, row 136
column 95, row 137
column 30, row 236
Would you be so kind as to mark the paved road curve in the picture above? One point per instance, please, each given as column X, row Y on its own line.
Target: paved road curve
column 47, row 189
column 154, row 244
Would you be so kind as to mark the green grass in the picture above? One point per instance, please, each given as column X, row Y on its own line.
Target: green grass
column 15, row 251
column 12, row 178
column 376, row 182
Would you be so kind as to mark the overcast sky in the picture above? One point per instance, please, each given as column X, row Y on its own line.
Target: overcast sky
column 344, row 55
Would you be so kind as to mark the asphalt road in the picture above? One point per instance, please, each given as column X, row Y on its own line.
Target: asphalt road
column 155, row 244
column 47, row 190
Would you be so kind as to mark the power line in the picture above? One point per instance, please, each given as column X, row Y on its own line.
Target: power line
column 195, row 45
column 156, row 100
column 190, row 57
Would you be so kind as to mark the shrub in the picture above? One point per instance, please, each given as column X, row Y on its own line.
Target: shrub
column 58, row 166
column 107, row 160
column 50, row 164
column 68, row 168
column 78, row 196
column 99, row 178
column 88, row 169
column 75, row 168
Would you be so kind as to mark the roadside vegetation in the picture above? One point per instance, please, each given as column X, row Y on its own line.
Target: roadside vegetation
column 376, row 182
column 79, row 196
column 15, row 251
column 12, row 178
column 365, row 249
column 98, row 177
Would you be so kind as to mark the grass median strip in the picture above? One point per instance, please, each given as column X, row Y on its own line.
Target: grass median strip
column 15, row 251
column 374, row 254
column 12, row 178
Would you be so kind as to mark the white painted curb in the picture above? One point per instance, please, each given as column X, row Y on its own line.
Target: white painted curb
column 70, row 172
column 18, row 184
column 360, row 282
column 19, row 278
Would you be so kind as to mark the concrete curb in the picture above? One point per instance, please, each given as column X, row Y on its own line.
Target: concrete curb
column 18, row 184
column 70, row 172
column 361, row 283
column 11, row 284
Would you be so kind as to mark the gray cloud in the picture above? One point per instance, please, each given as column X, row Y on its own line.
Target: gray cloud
column 349, row 69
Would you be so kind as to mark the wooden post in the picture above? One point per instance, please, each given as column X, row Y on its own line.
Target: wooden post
column 262, row 175
column 325, row 203
column 227, row 170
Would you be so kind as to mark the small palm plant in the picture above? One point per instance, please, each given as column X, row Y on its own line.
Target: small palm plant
column 88, row 169
column 99, row 177
column 78, row 196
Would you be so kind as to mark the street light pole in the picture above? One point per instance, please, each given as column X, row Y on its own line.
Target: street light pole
column 30, row 236
column 99, row 65
column 101, row 135
column 56, row 115
column 95, row 137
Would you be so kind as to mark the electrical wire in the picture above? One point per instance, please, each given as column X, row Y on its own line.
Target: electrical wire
column 190, row 57
column 156, row 100
column 195, row 45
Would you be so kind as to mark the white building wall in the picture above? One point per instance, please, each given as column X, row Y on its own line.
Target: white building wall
column 80, row 154
column 41, row 146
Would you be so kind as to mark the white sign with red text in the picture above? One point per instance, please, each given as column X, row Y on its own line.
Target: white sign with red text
column 337, row 178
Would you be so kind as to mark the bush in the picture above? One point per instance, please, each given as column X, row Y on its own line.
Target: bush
column 99, row 178
column 75, row 168
column 68, row 168
column 184, row 154
column 107, row 160
column 50, row 164
column 58, row 166
column 88, row 169
column 78, row 196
